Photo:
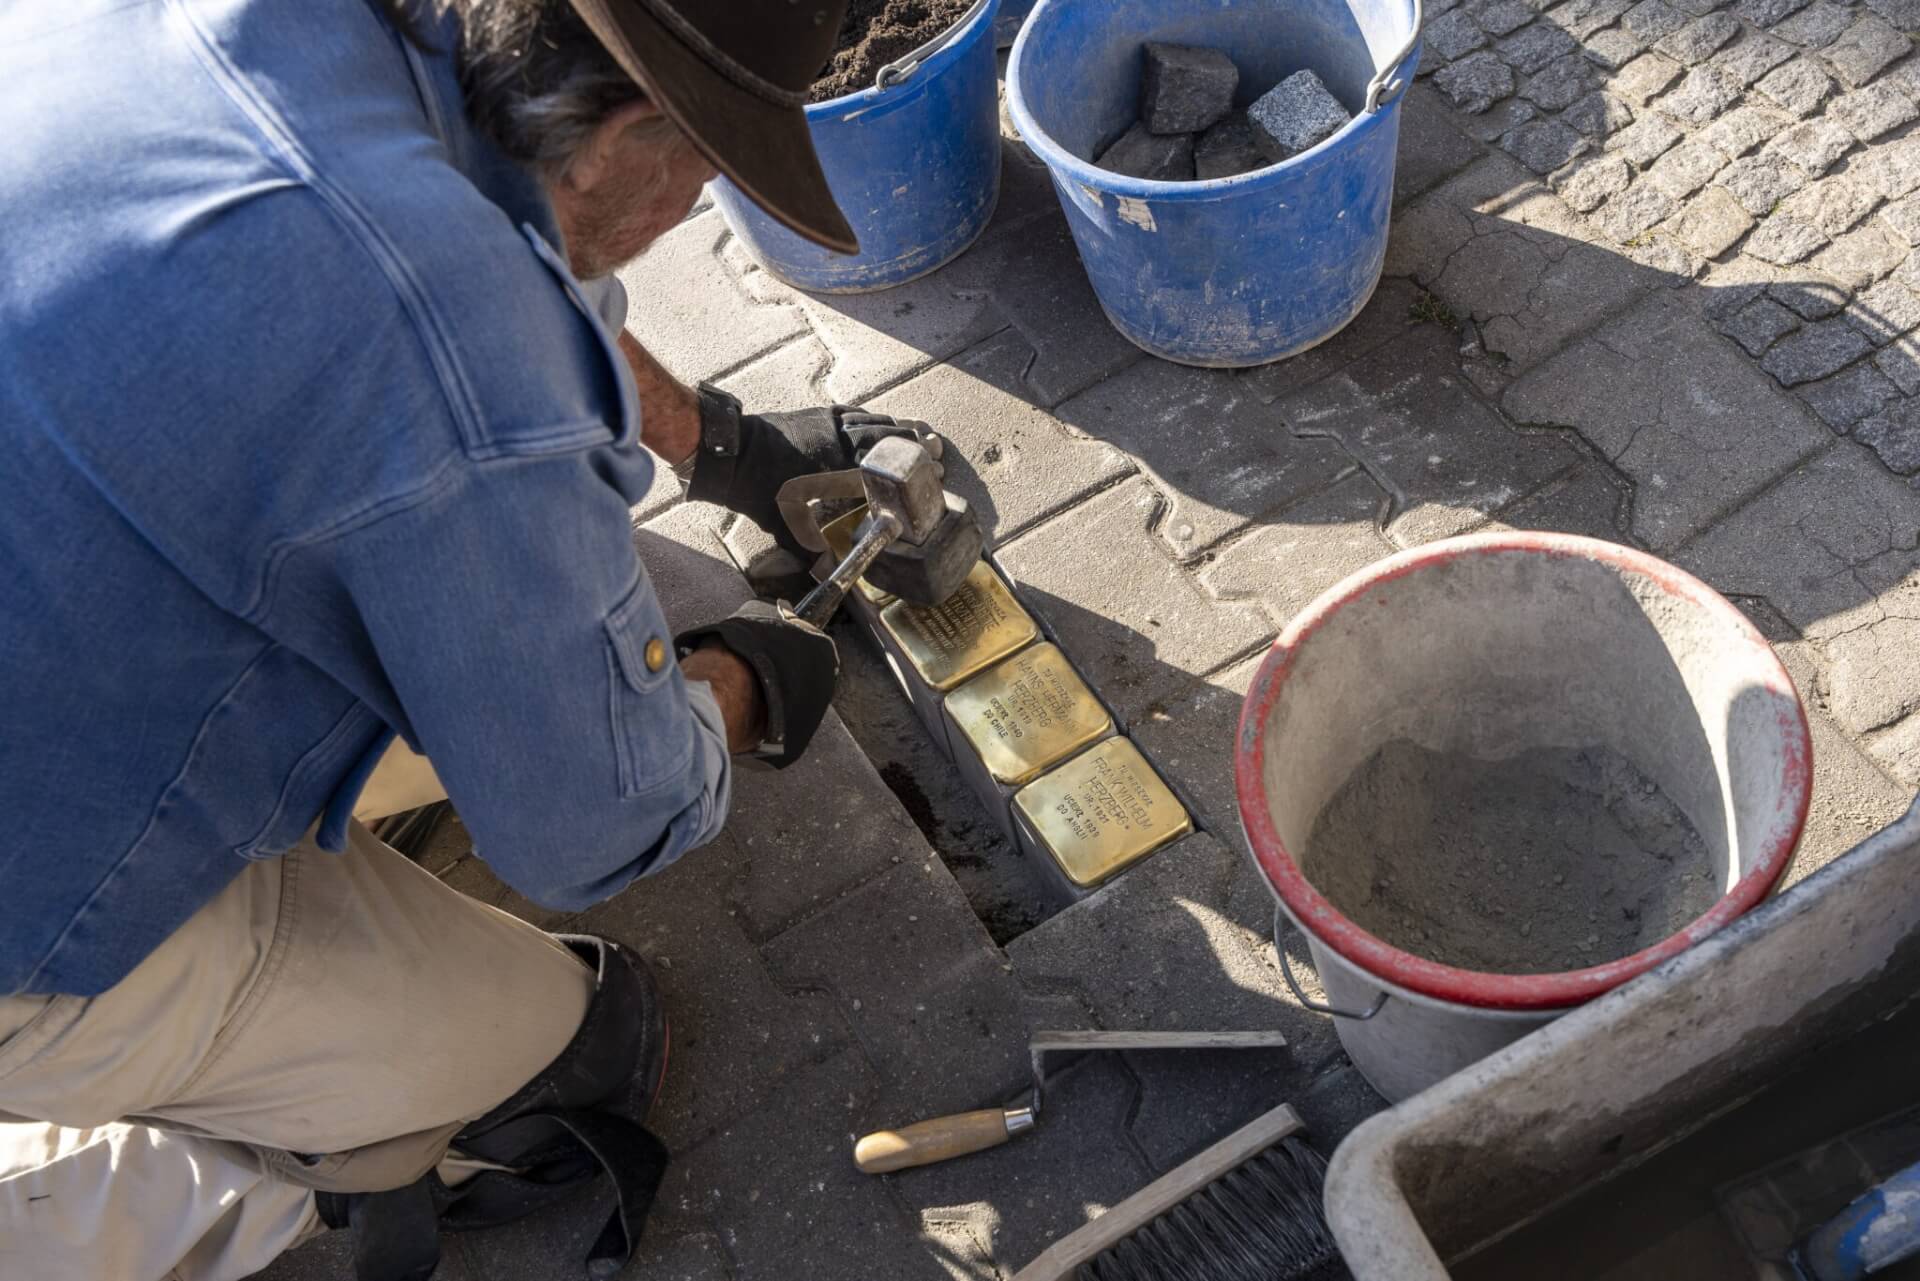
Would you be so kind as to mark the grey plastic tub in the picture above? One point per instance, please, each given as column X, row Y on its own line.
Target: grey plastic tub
column 1589, row 1097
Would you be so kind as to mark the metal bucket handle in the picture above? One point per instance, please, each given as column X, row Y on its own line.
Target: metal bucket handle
column 1281, row 920
column 901, row 68
column 1385, row 86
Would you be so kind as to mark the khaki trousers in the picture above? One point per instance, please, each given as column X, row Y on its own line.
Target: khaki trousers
column 329, row 1021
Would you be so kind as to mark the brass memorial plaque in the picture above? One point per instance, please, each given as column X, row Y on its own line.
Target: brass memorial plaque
column 1101, row 811
column 975, row 628
column 839, row 535
column 1027, row 714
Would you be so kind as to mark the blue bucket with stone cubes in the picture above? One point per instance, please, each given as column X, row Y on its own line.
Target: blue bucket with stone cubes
column 914, row 163
column 1254, row 266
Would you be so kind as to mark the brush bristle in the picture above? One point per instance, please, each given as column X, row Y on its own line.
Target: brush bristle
column 1261, row 1221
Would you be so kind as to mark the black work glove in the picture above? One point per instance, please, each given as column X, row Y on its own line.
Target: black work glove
column 744, row 459
column 797, row 665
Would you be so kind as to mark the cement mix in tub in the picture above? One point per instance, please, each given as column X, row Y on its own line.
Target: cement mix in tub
column 1553, row 860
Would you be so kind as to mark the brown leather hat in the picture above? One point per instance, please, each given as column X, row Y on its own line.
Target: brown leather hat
column 734, row 75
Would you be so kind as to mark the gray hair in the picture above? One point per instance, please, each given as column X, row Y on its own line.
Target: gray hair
column 536, row 80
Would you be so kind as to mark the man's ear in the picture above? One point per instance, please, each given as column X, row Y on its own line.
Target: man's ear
column 600, row 155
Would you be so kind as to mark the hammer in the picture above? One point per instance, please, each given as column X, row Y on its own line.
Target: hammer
column 918, row 541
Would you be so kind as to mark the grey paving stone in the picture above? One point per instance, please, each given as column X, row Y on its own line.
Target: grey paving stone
column 1864, row 50
column 1815, row 146
column 1499, row 120
column 1228, row 150
column 1822, row 348
column 1835, row 204
column 1021, row 1197
column 1388, row 314
column 1761, row 182
column 1296, row 114
column 701, row 318
column 1447, row 460
column 1697, row 8
column 1654, row 19
column 1848, row 396
column 1764, row 13
column 1627, row 215
column 1860, row 257
column 1644, row 78
column 1839, row 531
column 1810, row 295
column 1816, row 26
column 1704, row 94
column 1743, row 129
column 1867, row 113
column 691, row 574
column 1014, row 463
column 1544, row 145
column 737, row 1034
column 1589, row 500
column 1760, row 324
column 1645, row 140
column 1686, row 168
column 1500, row 17
column 1752, row 58
column 1798, row 86
column 1043, row 290
column 1221, row 457
column 1885, row 312
column 1902, row 218
column 1613, row 48
column 1532, row 48
column 1711, row 223
column 1431, row 150
column 1698, row 40
column 1140, row 153
column 1590, row 180
column 1784, row 240
column 791, row 1201
column 1184, row 88
column 1138, row 636
column 1476, row 82
column 1685, row 417
column 791, row 376
column 1452, row 35
column 1598, row 115
column 813, row 832
column 925, row 992
column 1890, row 168
column 1582, row 18
column 1286, row 561
column 1899, row 360
column 1191, row 741
column 1904, row 14
column 1559, row 84
column 1670, row 263
column 1897, row 750
column 1894, row 434
column 1730, row 285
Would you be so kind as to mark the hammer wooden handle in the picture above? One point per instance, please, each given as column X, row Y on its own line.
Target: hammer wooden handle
column 926, row 1142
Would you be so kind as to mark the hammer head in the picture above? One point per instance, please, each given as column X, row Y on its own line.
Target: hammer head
column 902, row 480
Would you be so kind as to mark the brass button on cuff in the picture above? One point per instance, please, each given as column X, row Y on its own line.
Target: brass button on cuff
column 656, row 654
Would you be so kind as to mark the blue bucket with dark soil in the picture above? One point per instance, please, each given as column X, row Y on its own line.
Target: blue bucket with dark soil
column 1235, row 271
column 914, row 163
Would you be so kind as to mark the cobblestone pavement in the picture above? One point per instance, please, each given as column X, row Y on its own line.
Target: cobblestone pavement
column 1650, row 280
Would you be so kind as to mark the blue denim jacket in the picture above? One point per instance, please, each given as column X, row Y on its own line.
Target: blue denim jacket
column 307, row 437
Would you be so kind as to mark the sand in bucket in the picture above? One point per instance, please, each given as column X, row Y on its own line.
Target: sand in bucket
column 1551, row 860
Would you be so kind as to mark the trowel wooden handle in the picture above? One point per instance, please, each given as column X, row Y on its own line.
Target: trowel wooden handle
column 926, row 1142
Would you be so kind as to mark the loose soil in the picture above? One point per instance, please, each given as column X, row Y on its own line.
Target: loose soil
column 877, row 32
column 1549, row 861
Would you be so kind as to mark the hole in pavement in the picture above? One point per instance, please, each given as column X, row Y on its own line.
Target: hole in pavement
column 1002, row 889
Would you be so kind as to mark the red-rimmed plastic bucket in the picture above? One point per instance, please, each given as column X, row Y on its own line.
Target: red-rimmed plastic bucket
column 1490, row 647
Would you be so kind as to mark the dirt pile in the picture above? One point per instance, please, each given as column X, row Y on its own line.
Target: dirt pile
column 877, row 32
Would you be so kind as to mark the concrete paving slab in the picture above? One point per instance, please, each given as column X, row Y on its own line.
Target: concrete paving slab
column 1421, row 431
column 1684, row 416
column 1138, row 634
column 1014, row 462
column 692, row 312
column 1221, row 456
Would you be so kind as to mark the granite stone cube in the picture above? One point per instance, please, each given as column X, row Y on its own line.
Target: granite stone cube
column 1140, row 153
column 1294, row 115
column 1227, row 149
column 1186, row 89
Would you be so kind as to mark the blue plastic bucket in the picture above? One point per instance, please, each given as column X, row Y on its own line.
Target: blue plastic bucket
column 1234, row 271
column 914, row 163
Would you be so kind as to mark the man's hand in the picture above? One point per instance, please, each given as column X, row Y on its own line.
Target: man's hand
column 744, row 459
column 792, row 666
